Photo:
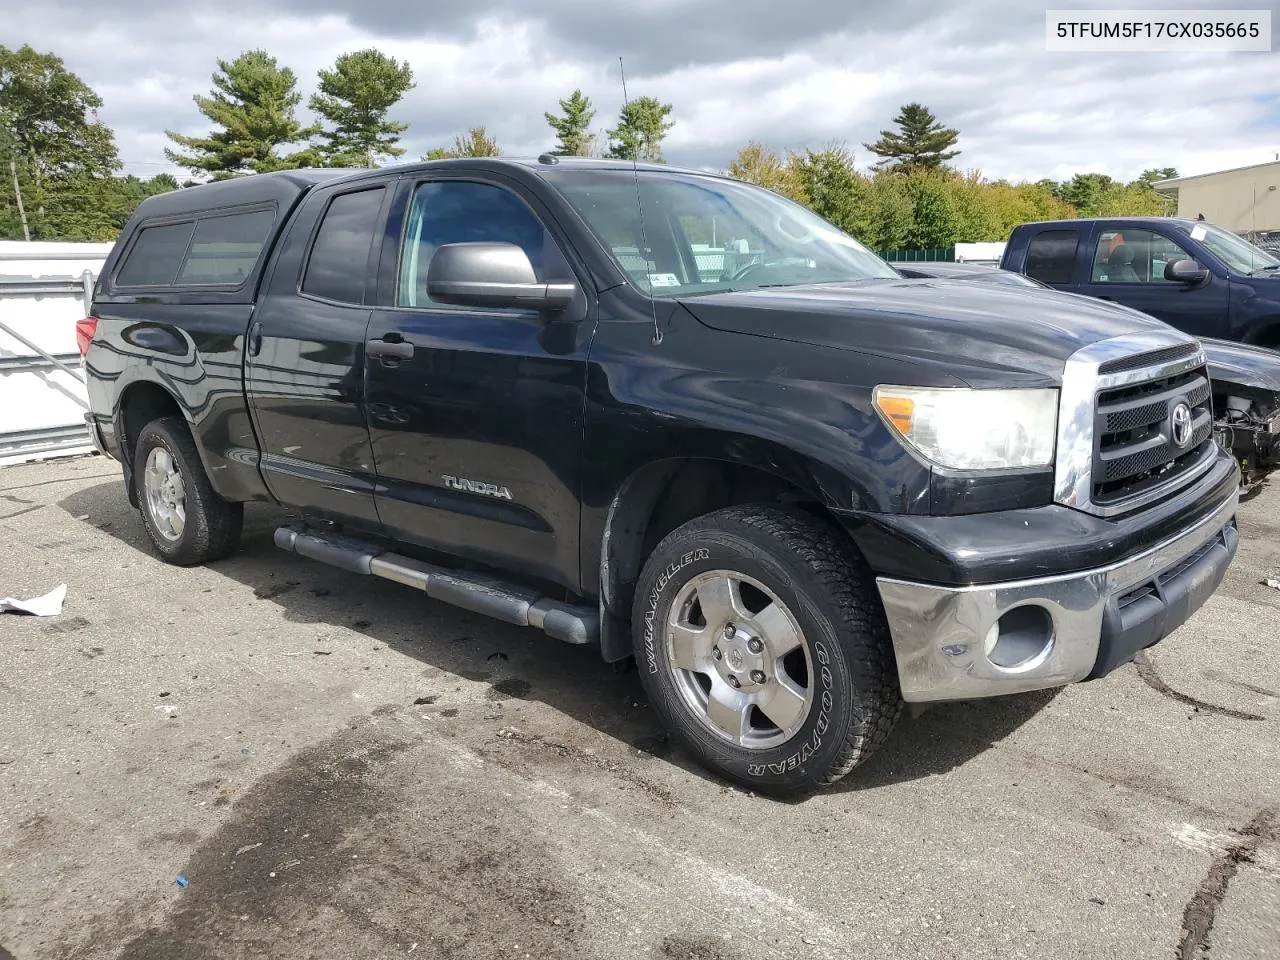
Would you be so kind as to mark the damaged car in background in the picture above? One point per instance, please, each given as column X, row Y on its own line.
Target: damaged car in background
column 1245, row 379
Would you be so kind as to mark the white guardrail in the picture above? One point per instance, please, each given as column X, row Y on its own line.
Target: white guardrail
column 44, row 289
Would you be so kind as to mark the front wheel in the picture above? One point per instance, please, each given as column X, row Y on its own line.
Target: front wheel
column 186, row 520
column 763, row 648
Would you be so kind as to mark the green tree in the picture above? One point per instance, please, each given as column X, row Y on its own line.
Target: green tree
column 1156, row 174
column 573, row 126
column 97, row 210
column 978, row 206
column 756, row 163
column 54, row 150
column 920, row 141
column 829, row 184
column 1089, row 193
column 934, row 221
column 252, row 107
column 887, row 218
column 642, row 126
column 353, row 99
column 476, row 143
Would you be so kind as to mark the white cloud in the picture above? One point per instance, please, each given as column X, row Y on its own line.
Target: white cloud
column 787, row 72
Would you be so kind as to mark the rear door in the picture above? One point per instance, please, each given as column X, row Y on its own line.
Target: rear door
column 304, row 368
column 1126, row 265
column 476, row 414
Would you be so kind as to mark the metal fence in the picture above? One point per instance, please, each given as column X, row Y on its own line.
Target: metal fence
column 927, row 255
column 43, row 293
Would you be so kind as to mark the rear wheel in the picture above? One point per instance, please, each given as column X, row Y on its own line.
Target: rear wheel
column 763, row 648
column 186, row 520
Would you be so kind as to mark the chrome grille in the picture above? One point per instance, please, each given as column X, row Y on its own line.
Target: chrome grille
column 1115, row 449
column 1135, row 448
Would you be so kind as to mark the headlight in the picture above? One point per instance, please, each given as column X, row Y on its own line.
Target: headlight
column 967, row 429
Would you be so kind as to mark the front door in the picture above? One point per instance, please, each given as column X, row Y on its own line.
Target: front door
column 1128, row 268
column 476, row 414
column 304, row 368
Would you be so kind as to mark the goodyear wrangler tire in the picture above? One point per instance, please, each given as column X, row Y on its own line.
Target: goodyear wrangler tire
column 762, row 645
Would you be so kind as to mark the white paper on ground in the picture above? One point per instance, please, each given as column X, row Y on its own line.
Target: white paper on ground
column 50, row 605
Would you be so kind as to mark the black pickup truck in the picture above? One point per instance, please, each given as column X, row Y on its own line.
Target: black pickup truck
column 676, row 417
column 1196, row 277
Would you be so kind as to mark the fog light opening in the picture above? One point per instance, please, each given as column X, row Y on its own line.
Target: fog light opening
column 1020, row 638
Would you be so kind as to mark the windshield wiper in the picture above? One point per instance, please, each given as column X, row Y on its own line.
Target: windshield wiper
column 1269, row 266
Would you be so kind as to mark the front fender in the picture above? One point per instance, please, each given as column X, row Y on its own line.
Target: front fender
column 792, row 411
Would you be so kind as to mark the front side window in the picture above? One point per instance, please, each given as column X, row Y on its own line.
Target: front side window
column 1051, row 255
column 464, row 211
column 156, row 256
column 681, row 235
column 338, row 267
column 1132, row 255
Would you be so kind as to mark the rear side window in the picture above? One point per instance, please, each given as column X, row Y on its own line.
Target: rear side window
column 1051, row 255
column 225, row 249
column 338, row 266
column 156, row 255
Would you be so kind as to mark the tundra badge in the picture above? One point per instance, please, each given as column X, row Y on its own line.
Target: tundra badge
column 475, row 486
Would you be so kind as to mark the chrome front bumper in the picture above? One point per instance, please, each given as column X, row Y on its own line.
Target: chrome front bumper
column 1096, row 619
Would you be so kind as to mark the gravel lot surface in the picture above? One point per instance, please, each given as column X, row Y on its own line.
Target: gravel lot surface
column 341, row 768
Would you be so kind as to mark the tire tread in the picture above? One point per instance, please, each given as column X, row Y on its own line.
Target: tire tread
column 841, row 574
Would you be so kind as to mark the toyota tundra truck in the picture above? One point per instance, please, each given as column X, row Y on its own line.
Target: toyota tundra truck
column 674, row 417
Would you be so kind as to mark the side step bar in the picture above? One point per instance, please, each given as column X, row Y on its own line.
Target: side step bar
column 479, row 594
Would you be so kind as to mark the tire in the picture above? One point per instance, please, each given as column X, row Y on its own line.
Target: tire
column 797, row 580
column 208, row 527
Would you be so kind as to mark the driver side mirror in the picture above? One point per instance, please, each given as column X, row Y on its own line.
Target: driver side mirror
column 1185, row 271
column 491, row 275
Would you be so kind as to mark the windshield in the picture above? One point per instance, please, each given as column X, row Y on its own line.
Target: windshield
column 1239, row 255
column 707, row 235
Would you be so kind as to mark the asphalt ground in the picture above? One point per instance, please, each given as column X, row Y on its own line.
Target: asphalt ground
column 338, row 767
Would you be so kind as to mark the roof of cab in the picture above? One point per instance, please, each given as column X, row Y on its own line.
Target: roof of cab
column 283, row 187
column 545, row 162
column 1185, row 221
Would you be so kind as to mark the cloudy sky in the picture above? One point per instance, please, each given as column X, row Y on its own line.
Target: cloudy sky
column 785, row 72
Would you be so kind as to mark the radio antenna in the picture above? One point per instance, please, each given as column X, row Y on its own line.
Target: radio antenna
column 644, row 236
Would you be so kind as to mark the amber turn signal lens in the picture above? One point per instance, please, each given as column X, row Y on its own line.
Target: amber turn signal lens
column 898, row 410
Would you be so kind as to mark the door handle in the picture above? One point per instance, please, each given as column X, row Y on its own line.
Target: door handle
column 389, row 348
column 1102, row 297
column 255, row 339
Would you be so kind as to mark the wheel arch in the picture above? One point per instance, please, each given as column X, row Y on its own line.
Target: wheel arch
column 140, row 403
column 663, row 494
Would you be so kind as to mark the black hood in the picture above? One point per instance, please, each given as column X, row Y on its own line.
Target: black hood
column 981, row 333
column 1237, row 363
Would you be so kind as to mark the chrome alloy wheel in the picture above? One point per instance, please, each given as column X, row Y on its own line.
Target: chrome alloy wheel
column 165, row 494
column 739, row 659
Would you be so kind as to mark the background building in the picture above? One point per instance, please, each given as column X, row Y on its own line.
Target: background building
column 1241, row 200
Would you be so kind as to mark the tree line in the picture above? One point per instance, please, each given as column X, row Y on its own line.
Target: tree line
column 61, row 166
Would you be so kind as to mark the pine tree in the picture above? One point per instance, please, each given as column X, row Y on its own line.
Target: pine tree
column 920, row 141
column 354, row 98
column 642, row 126
column 572, row 127
column 253, row 106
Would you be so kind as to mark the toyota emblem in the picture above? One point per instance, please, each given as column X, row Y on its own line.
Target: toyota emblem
column 1180, row 424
